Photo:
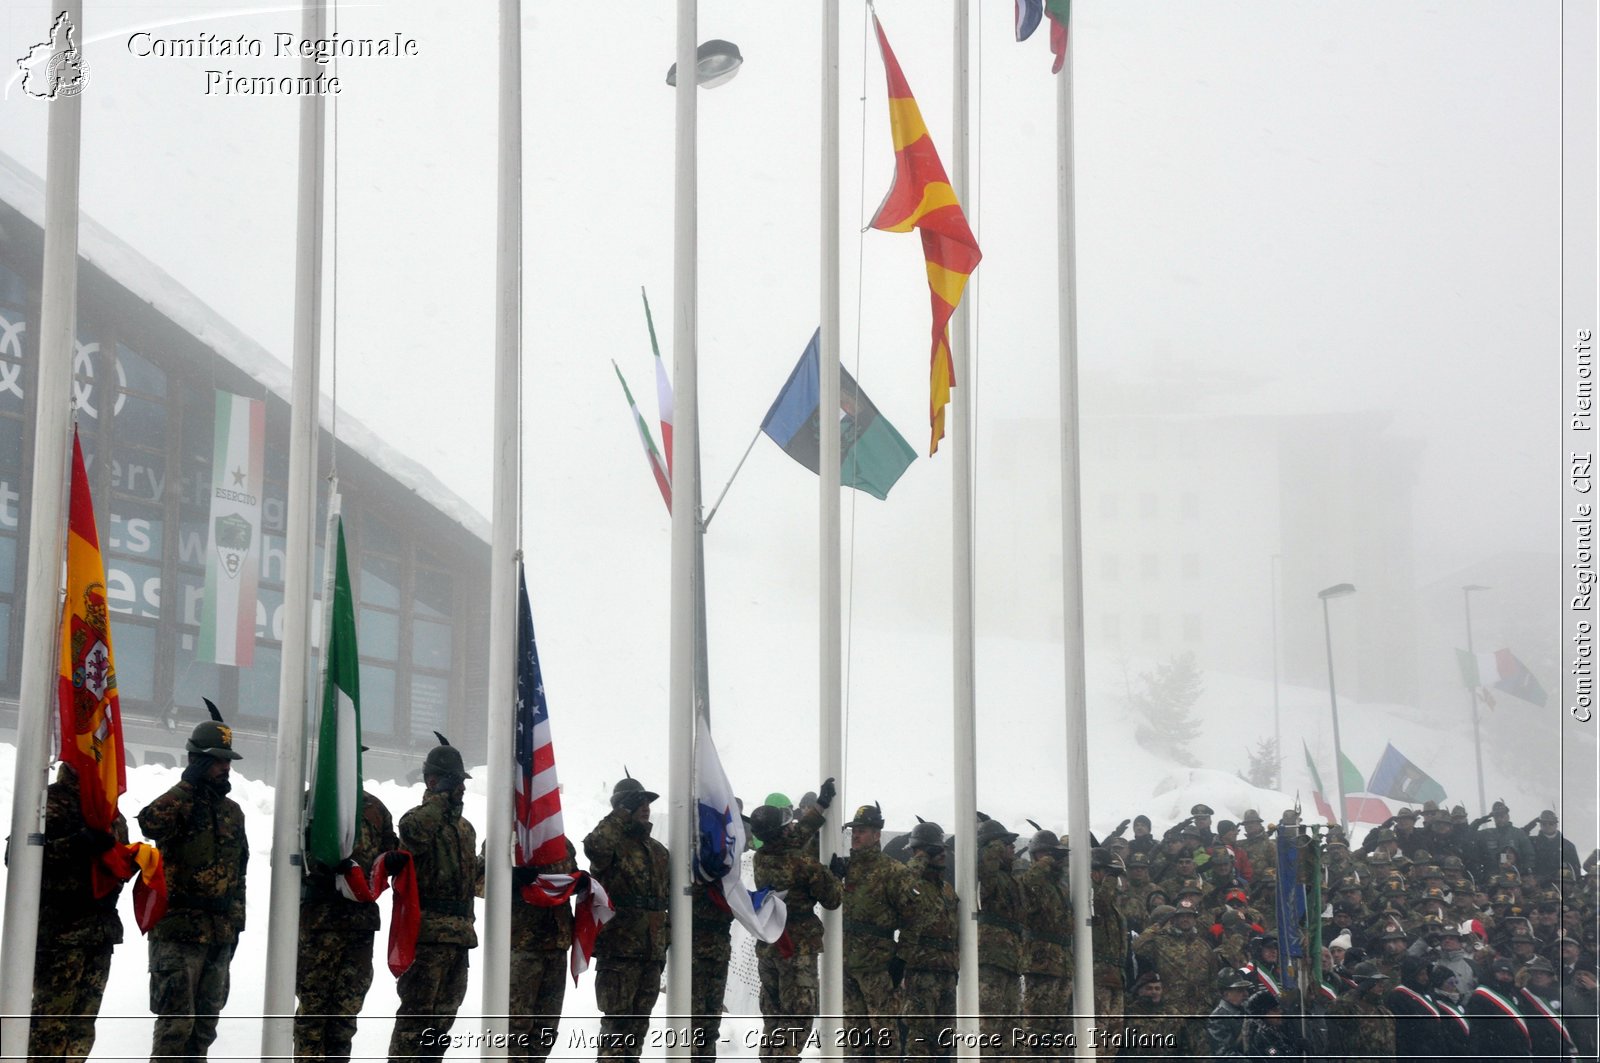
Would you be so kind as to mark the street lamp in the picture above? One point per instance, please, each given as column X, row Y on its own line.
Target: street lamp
column 715, row 63
column 1277, row 715
column 1472, row 695
column 1338, row 590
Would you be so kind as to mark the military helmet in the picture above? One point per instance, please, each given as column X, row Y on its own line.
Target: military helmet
column 1105, row 860
column 1540, row 965
column 926, row 835
column 1261, row 1002
column 1138, row 860
column 1200, row 810
column 1367, row 971
column 1162, row 912
column 1250, row 816
column 991, row 830
column 1045, row 841
column 1289, row 818
column 1190, row 888
column 766, row 821
column 1232, row 978
column 1548, row 816
column 630, row 793
column 211, row 738
column 867, row 816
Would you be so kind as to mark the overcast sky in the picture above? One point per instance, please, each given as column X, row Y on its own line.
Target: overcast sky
column 1351, row 208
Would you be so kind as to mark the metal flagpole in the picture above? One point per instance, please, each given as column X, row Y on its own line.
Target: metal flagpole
column 283, row 915
column 830, row 713
column 685, row 532
column 1072, row 574
column 502, row 691
column 963, row 651
column 40, row 664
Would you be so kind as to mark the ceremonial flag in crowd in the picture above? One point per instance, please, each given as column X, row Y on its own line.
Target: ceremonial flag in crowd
column 1396, row 777
column 541, row 836
column 921, row 198
column 233, row 554
column 334, row 805
column 1291, row 905
column 1502, row 671
column 657, row 467
column 1358, row 807
column 872, row 455
column 719, row 854
column 1029, row 13
column 90, row 710
column 663, row 385
column 594, row 910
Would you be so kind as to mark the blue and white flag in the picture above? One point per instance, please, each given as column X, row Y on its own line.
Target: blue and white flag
column 1291, row 906
column 722, row 844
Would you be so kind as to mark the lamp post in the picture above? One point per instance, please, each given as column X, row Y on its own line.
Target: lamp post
column 1277, row 715
column 1472, row 695
column 1338, row 590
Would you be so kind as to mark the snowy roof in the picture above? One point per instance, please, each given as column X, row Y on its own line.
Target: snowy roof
column 24, row 191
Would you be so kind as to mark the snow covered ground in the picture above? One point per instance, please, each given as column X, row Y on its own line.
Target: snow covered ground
column 1124, row 780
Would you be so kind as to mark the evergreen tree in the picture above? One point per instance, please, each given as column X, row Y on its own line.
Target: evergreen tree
column 1165, row 697
column 1263, row 768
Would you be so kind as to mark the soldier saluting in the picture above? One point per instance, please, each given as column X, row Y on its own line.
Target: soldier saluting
column 873, row 887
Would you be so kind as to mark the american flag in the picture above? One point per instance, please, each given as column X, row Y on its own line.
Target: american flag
column 541, row 837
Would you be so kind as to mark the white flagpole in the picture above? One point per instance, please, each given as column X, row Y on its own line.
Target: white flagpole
column 685, row 532
column 283, row 916
column 1072, row 572
column 964, row 650
column 503, row 548
column 830, row 687
column 46, row 542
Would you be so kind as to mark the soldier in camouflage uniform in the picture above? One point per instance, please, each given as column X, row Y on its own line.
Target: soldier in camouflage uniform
column 1000, row 915
column 1110, row 937
column 1187, row 966
column 632, row 948
column 928, row 945
column 203, row 848
column 1257, row 845
column 540, row 937
column 333, row 970
column 449, row 871
column 1150, row 1015
column 1360, row 1027
column 1047, row 966
column 77, row 930
column 787, row 861
column 873, row 887
column 710, row 948
column 1136, row 897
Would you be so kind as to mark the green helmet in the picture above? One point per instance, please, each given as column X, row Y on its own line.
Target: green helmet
column 630, row 793
column 926, row 835
column 993, row 830
column 1105, row 860
column 766, row 822
column 212, row 739
column 445, row 760
column 1045, row 841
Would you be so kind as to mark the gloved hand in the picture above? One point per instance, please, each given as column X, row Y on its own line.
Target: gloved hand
column 524, row 876
column 1481, row 820
column 839, row 866
column 826, row 792
column 90, row 843
column 346, row 864
column 1121, row 827
column 1532, row 823
column 395, row 861
column 1389, row 822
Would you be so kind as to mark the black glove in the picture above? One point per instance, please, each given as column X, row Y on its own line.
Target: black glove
column 395, row 861
column 524, row 876
column 1532, row 823
column 897, row 971
column 1481, row 820
column 1120, row 828
column 839, row 866
column 826, row 792
column 346, row 864
column 89, row 843
column 1389, row 822
column 195, row 773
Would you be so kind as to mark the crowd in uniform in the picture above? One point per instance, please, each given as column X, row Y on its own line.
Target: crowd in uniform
column 1442, row 937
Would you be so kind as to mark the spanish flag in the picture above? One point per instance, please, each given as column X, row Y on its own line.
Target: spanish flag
column 91, row 718
column 921, row 198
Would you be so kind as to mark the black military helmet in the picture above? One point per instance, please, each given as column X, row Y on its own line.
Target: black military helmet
column 1105, row 860
column 1045, row 841
column 766, row 822
column 1201, row 810
column 1162, row 912
column 868, row 816
column 1232, row 978
column 630, row 793
column 1539, row 964
column 444, row 759
column 992, row 830
column 1367, row 971
column 1261, row 1002
column 926, row 835
column 212, row 739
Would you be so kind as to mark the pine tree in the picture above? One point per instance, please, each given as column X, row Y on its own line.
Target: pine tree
column 1263, row 768
column 1165, row 697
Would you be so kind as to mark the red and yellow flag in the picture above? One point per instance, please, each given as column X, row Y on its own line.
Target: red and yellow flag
column 921, row 198
column 91, row 718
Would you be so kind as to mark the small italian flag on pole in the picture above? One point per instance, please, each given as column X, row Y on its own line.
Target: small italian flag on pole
column 335, row 801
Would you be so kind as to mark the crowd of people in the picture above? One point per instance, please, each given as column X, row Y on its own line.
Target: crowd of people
column 1437, row 937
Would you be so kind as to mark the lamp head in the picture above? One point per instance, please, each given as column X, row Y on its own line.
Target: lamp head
column 1338, row 590
column 716, row 62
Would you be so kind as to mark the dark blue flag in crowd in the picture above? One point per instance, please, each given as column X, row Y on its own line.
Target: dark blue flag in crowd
column 1291, row 904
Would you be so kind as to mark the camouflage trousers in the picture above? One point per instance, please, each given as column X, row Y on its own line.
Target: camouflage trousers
column 708, row 989
column 871, row 1027
column 431, row 991
column 67, row 987
column 188, row 987
column 625, row 991
column 538, row 986
column 1107, row 1015
column 788, row 1000
column 333, row 972
column 929, row 1012
column 999, row 1004
column 1047, row 1014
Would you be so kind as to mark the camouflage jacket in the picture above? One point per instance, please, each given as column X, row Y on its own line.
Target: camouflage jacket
column 1360, row 1027
column 1187, row 966
column 633, row 868
column 928, row 934
column 537, row 928
column 1262, row 853
column 1110, row 935
column 201, row 836
column 1047, row 917
column 70, row 916
column 444, row 850
column 789, row 862
column 1000, row 915
column 712, row 920
column 322, row 906
column 873, row 892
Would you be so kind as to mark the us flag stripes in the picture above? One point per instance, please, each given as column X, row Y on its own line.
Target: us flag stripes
column 541, row 836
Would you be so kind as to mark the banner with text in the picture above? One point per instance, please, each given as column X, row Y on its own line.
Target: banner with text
column 233, row 548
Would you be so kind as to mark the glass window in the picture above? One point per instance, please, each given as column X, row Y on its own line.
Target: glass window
column 430, row 704
column 380, row 581
column 135, row 648
column 89, row 374
column 135, row 529
column 432, row 598
column 430, row 645
column 378, row 634
column 377, row 699
column 14, row 363
column 258, row 684
column 378, row 535
column 133, row 588
column 141, row 422
column 192, row 679
column 269, row 613
column 8, row 566
column 5, row 638
column 139, row 373
column 11, row 451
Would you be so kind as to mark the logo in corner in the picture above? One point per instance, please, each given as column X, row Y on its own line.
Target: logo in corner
column 55, row 68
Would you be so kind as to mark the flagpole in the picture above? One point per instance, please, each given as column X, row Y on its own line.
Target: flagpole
column 685, row 531
column 1077, row 717
column 283, row 914
column 830, row 711
column 40, row 665
column 502, row 692
column 965, row 647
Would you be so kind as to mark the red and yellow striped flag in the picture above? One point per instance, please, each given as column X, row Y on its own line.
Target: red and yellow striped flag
column 91, row 718
column 921, row 198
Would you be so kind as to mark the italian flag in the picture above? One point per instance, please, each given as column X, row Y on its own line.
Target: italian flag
column 663, row 386
column 335, row 800
column 233, row 555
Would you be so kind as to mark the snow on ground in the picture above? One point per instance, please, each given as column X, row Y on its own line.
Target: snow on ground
column 1018, row 777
